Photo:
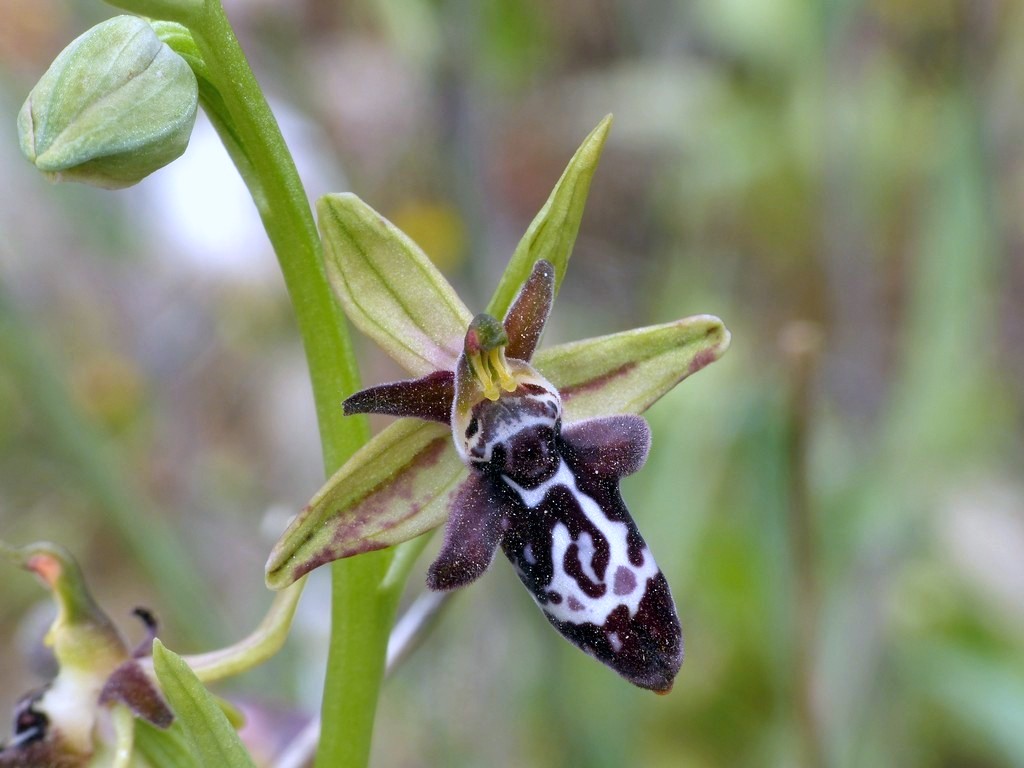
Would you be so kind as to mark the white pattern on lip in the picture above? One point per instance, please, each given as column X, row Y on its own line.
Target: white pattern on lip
column 595, row 609
column 541, row 410
column 528, row 555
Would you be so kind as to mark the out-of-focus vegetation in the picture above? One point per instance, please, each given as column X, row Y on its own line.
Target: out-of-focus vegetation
column 838, row 504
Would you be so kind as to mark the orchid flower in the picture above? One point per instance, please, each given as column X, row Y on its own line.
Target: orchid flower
column 60, row 724
column 511, row 448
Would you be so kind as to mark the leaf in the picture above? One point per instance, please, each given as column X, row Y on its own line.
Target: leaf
column 389, row 288
column 627, row 372
column 165, row 748
column 203, row 721
column 552, row 232
column 392, row 490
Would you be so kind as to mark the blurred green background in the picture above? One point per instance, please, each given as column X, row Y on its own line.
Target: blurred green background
column 838, row 504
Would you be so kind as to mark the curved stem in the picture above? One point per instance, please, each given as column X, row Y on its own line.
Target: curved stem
column 361, row 613
column 251, row 651
column 284, row 208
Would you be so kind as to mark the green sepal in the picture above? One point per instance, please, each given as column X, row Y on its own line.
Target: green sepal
column 82, row 635
column 179, row 39
column 627, row 372
column 210, row 733
column 393, row 489
column 389, row 288
column 115, row 105
column 552, row 233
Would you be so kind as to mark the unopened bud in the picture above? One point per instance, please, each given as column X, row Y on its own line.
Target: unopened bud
column 116, row 105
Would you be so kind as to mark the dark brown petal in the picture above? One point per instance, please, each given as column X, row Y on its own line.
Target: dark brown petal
column 613, row 445
column 131, row 686
column 525, row 320
column 429, row 398
column 470, row 538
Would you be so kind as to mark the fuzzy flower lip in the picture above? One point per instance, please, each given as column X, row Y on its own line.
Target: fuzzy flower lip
column 404, row 481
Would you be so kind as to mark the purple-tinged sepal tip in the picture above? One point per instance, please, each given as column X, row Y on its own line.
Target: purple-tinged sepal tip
column 524, row 322
column 428, row 397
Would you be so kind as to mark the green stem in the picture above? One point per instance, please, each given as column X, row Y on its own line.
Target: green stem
column 361, row 613
column 285, row 211
column 361, row 616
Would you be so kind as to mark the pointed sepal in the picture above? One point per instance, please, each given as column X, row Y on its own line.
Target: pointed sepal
column 471, row 536
column 552, row 233
column 394, row 488
column 627, row 372
column 525, row 320
column 389, row 288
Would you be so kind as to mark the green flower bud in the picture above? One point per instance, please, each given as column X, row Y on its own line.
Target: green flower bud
column 116, row 105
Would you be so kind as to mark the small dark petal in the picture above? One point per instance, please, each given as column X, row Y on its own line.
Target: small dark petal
column 612, row 445
column 130, row 685
column 428, row 398
column 525, row 319
column 471, row 536
column 148, row 619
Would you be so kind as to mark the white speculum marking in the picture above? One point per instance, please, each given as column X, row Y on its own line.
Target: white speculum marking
column 594, row 610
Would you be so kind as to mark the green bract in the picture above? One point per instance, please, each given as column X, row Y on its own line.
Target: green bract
column 402, row 483
column 211, row 738
column 115, row 105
